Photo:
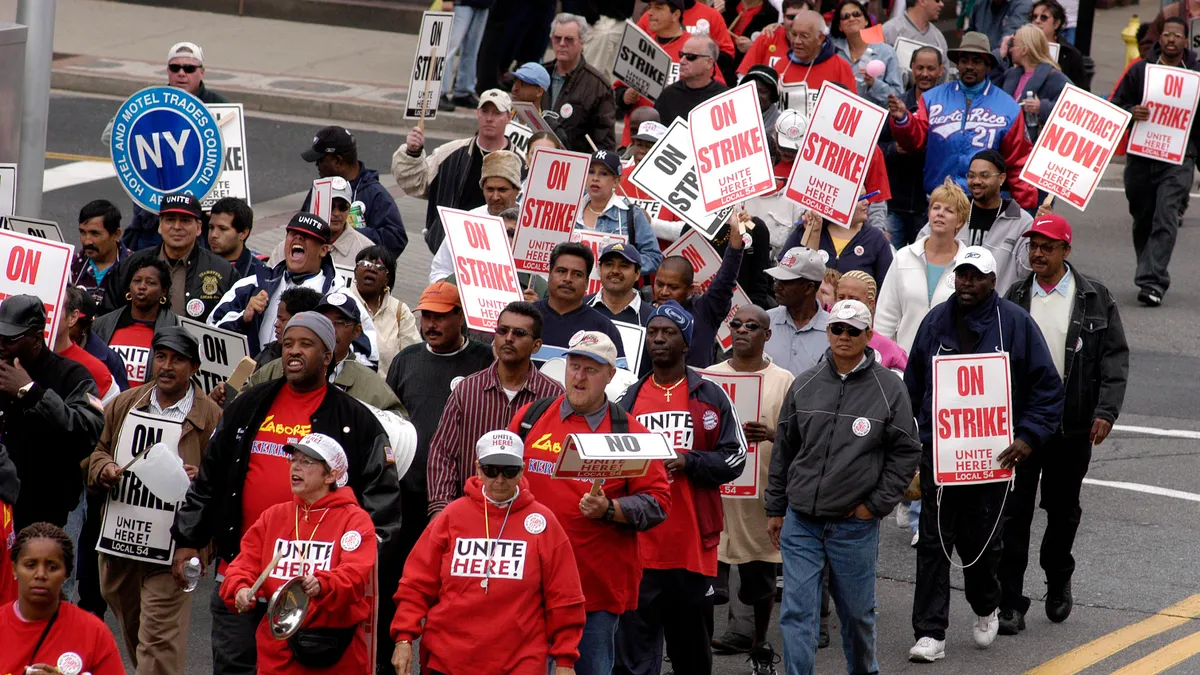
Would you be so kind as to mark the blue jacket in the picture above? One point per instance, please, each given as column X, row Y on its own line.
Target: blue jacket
column 999, row 325
column 868, row 250
column 1046, row 83
column 621, row 217
column 384, row 226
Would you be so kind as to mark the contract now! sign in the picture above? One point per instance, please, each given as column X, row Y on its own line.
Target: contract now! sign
column 1171, row 94
column 972, row 418
column 483, row 266
column 732, row 160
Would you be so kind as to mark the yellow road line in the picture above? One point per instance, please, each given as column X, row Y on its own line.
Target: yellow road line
column 1105, row 646
column 68, row 157
column 1173, row 654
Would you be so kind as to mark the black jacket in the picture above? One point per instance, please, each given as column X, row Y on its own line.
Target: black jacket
column 48, row 433
column 212, row 510
column 678, row 99
column 1097, row 356
column 1132, row 87
column 906, row 170
column 1070, row 60
column 108, row 324
column 592, row 106
column 208, row 277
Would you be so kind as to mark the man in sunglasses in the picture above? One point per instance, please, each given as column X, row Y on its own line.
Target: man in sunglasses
column 1081, row 324
column 697, row 64
column 832, row 478
column 185, row 70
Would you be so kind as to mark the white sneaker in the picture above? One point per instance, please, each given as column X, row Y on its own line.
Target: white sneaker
column 916, row 538
column 985, row 629
column 901, row 513
column 927, row 650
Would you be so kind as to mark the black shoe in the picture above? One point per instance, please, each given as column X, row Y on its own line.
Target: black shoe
column 1012, row 621
column 1149, row 298
column 466, row 100
column 823, row 638
column 1059, row 602
column 763, row 659
column 445, row 104
column 732, row 643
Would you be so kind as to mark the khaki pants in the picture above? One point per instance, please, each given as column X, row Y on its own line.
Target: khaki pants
column 152, row 610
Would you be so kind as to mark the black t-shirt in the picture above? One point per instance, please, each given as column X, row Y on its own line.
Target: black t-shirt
column 981, row 222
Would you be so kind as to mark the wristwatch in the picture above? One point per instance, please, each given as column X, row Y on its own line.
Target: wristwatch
column 24, row 390
column 612, row 510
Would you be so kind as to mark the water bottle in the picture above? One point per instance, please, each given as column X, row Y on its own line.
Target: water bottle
column 1031, row 120
column 357, row 219
column 191, row 572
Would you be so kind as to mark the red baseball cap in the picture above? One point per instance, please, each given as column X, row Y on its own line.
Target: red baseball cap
column 1052, row 226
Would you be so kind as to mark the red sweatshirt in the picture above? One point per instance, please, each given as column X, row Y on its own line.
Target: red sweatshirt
column 336, row 543
column 78, row 642
column 531, row 608
column 608, row 554
column 767, row 50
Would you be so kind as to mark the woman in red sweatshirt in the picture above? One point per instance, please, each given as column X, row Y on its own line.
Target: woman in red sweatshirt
column 493, row 577
column 329, row 541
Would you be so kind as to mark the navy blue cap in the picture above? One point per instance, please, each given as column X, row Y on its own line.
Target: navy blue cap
column 343, row 303
column 624, row 250
column 678, row 315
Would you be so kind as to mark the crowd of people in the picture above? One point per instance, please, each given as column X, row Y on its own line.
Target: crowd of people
column 356, row 479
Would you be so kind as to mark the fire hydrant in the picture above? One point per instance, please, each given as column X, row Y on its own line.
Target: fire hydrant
column 1129, row 35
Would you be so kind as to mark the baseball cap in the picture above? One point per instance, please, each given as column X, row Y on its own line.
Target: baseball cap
column 330, row 141
column 799, row 263
column 189, row 50
column 624, row 250
column 324, row 448
column 676, row 314
column 650, row 132
column 496, row 97
column 851, row 313
column 767, row 76
column 317, row 323
column 311, row 225
column 680, row 5
column 343, row 303
column 1052, row 226
column 341, row 189
column 177, row 339
column 978, row 257
column 500, row 448
column 609, row 159
column 594, row 345
column 20, row 314
column 789, row 129
column 533, row 73
column 439, row 297
column 180, row 202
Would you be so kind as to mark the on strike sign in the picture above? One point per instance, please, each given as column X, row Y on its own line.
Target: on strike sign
column 834, row 154
column 552, row 195
column 641, row 63
column 972, row 418
column 731, row 148
column 1171, row 94
column 483, row 266
column 745, row 391
column 37, row 267
column 668, row 173
column 1075, row 146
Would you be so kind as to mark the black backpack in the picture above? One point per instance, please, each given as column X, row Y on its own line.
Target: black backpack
column 620, row 418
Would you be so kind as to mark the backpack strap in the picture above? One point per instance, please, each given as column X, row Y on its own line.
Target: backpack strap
column 619, row 418
column 534, row 413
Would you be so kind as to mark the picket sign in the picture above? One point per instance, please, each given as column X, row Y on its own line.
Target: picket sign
column 668, row 174
column 972, row 418
column 527, row 114
column 905, row 48
column 220, row 352
column 745, row 391
column 321, row 204
column 425, row 81
column 641, row 63
column 8, row 189
column 235, row 169
column 798, row 97
column 633, row 340
column 42, row 229
column 483, row 266
column 518, row 136
column 551, row 197
column 733, row 162
column 38, row 267
column 1171, row 94
column 599, row 456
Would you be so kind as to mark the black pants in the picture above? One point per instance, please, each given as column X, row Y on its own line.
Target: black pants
column 1062, row 463
column 516, row 31
column 968, row 514
column 87, row 576
column 676, row 604
column 1156, row 192
column 233, row 648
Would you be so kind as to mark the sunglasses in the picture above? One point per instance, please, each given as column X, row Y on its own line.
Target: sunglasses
column 692, row 57
column 839, row 328
column 188, row 68
column 852, row 15
column 516, row 332
column 372, row 265
column 749, row 325
column 492, row 471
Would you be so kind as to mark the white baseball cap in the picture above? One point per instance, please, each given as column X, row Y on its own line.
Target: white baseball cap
column 340, row 187
column 500, row 448
column 189, row 50
column 851, row 313
column 324, row 448
column 498, row 98
column 594, row 345
column 978, row 257
column 650, row 132
column 789, row 129
column 799, row 263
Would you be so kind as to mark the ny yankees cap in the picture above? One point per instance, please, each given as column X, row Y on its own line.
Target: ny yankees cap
column 609, row 159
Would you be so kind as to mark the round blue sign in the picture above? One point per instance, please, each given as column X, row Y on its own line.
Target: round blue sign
column 164, row 140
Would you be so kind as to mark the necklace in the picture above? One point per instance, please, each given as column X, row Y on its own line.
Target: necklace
column 667, row 390
column 599, row 213
column 314, row 531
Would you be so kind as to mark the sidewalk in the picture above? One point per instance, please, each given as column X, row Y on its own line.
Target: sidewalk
column 343, row 74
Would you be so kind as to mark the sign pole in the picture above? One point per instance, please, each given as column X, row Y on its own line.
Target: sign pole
column 425, row 95
column 38, row 17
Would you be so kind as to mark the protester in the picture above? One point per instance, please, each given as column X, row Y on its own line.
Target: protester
column 66, row 346
column 100, row 247
column 199, row 277
column 745, row 20
column 999, row 20
column 395, row 324
column 242, row 474
column 229, row 224
column 828, row 488
column 41, row 628
column 529, row 82
column 1150, row 34
column 620, row 269
column 564, row 313
column 812, row 57
column 943, row 136
column 966, row 517
column 700, row 18
column 1082, row 326
column 647, row 134
column 996, row 222
column 345, row 241
column 579, row 94
column 10, row 488
column 766, row 84
column 862, row 246
column 292, row 301
column 696, row 84
column 745, row 543
column 542, row 605
column 780, row 214
column 1156, row 189
column 466, row 34
column 1051, row 18
column 541, row 139
column 130, row 330
column 850, row 19
column 680, row 555
column 153, row 611
column 82, row 334
column 774, row 41
column 450, row 176
column 859, row 286
column 334, row 150
column 797, row 339
column 604, row 39
column 663, row 21
column 500, row 180
column 604, row 529
column 908, row 205
column 606, row 211
column 1033, row 71
column 917, row 23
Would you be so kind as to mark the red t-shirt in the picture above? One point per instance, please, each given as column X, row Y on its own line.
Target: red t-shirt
column 132, row 343
column 78, row 642
column 97, row 369
column 767, row 50
column 675, row 544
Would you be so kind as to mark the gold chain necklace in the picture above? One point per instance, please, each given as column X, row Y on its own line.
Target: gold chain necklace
column 667, row 390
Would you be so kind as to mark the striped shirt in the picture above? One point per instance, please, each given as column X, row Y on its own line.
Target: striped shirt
column 177, row 411
column 476, row 406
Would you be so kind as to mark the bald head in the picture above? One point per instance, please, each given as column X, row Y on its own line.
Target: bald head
column 645, row 113
column 697, row 72
column 807, row 34
column 751, row 329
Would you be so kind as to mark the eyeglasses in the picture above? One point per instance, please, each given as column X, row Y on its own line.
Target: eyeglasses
column 516, row 332
column 372, row 265
column 692, row 57
column 1048, row 247
column 187, row 68
column 8, row 340
column 344, row 323
column 986, row 175
column 492, row 471
column 839, row 328
column 340, row 204
column 304, row 460
column 852, row 15
column 748, row 325
column 562, row 39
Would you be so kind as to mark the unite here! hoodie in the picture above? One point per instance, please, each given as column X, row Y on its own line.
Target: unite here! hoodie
column 531, row 609
column 336, row 543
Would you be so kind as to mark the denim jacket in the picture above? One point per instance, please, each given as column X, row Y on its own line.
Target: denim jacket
column 621, row 217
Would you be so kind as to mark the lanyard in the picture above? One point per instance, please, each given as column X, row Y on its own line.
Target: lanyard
column 487, row 565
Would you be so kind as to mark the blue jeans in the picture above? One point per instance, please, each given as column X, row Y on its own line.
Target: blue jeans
column 902, row 228
column 850, row 547
column 467, row 32
column 914, row 515
column 597, row 646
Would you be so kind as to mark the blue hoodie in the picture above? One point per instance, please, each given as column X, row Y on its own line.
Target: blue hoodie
column 384, row 226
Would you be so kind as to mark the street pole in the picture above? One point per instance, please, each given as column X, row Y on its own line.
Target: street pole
column 38, row 18
column 1083, row 26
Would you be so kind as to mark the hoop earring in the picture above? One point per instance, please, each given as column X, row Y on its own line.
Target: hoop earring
column 387, row 290
column 162, row 300
column 129, row 296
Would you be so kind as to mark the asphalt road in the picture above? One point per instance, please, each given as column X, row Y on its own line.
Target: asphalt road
column 1137, row 552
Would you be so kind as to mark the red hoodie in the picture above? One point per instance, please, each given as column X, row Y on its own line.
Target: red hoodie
column 532, row 607
column 336, row 543
column 78, row 642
